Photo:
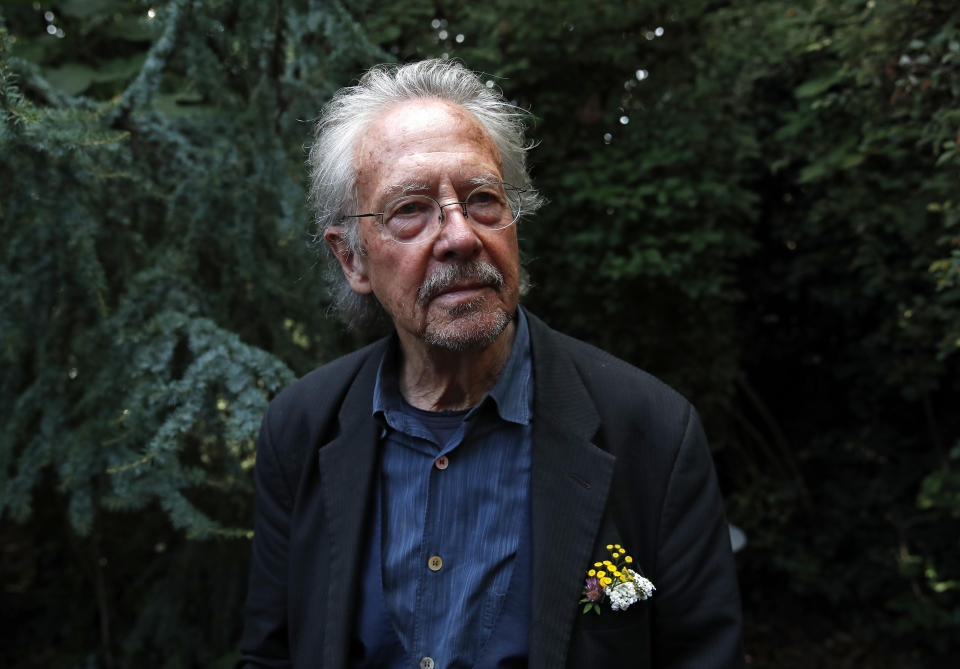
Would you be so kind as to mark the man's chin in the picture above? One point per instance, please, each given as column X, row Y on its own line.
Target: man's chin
column 466, row 327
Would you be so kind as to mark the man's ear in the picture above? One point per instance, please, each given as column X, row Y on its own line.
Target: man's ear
column 353, row 264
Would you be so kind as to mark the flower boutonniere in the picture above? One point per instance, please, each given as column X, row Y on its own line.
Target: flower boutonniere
column 616, row 581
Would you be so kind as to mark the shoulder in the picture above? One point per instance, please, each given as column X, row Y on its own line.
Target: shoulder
column 621, row 409
column 305, row 410
column 327, row 382
column 609, row 380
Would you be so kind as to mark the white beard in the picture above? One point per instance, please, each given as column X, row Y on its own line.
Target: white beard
column 467, row 327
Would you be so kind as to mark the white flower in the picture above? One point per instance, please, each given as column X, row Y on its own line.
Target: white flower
column 622, row 595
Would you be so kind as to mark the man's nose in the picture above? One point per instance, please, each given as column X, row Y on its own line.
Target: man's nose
column 458, row 237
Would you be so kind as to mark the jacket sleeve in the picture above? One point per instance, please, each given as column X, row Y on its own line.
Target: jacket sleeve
column 697, row 618
column 265, row 639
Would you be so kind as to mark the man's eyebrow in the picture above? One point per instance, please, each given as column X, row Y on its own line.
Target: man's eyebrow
column 396, row 190
column 401, row 189
column 484, row 179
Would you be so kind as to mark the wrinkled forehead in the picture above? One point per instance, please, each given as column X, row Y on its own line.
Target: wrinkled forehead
column 425, row 140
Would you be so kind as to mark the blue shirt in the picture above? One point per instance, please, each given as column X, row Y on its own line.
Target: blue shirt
column 451, row 525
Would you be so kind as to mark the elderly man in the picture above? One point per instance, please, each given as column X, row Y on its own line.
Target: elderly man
column 476, row 489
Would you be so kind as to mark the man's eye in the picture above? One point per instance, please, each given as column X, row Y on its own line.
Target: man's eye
column 411, row 208
column 483, row 197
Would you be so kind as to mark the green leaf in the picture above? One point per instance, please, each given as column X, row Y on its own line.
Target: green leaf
column 118, row 69
column 946, row 157
column 851, row 160
column 72, row 78
column 818, row 85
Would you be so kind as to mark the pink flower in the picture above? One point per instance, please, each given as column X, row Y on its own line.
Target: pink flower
column 593, row 590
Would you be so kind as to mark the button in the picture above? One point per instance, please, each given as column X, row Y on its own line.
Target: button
column 434, row 563
column 426, row 663
column 441, row 463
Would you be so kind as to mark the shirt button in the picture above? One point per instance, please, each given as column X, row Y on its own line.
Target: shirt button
column 434, row 563
column 426, row 663
column 441, row 463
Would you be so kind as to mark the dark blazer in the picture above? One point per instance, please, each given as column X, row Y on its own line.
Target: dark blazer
column 617, row 457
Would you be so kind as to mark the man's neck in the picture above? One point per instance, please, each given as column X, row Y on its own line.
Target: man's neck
column 436, row 379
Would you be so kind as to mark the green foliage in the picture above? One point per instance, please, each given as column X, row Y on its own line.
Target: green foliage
column 755, row 201
column 157, row 285
column 852, row 310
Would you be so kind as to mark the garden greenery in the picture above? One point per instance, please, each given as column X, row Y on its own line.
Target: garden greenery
column 757, row 202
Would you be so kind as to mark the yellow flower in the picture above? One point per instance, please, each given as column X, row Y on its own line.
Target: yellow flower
column 608, row 563
column 617, row 546
column 609, row 546
column 606, row 581
column 601, row 574
column 616, row 555
column 592, row 572
column 597, row 564
column 628, row 559
column 623, row 579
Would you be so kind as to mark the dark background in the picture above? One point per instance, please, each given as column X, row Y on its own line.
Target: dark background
column 756, row 201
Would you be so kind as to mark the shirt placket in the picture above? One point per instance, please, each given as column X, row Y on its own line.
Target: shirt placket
column 435, row 558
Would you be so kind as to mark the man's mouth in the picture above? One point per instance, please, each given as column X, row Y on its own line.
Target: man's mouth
column 452, row 279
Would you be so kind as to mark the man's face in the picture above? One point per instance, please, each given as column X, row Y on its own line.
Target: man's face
column 445, row 292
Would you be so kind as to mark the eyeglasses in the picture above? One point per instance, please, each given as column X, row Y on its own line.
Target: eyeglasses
column 415, row 219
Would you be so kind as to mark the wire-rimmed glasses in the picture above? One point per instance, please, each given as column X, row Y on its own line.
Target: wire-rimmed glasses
column 415, row 219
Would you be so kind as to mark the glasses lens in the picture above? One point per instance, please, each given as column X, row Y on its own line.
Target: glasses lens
column 488, row 207
column 410, row 219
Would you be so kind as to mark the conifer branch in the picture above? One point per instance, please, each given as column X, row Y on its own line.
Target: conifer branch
column 142, row 88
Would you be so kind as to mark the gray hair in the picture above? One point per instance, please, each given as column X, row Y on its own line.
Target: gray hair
column 343, row 122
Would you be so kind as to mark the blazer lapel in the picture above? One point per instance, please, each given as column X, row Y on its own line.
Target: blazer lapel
column 348, row 465
column 570, row 482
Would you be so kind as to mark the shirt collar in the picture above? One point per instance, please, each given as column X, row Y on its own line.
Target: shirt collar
column 512, row 395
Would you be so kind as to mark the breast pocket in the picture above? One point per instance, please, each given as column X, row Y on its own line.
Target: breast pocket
column 612, row 637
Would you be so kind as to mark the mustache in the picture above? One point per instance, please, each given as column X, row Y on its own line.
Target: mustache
column 449, row 275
